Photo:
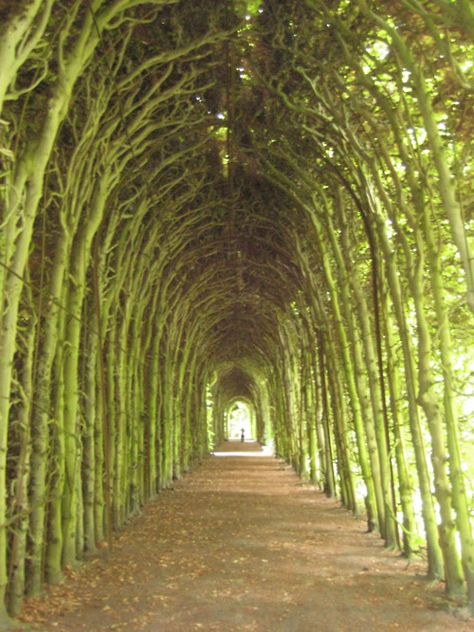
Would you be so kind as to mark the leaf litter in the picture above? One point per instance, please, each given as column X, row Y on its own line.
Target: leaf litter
column 240, row 544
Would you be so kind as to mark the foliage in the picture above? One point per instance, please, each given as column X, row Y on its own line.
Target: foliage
column 260, row 201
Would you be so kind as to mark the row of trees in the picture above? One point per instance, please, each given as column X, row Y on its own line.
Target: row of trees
column 259, row 200
column 363, row 140
column 108, row 192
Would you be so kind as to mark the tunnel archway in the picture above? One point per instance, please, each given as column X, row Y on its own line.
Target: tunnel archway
column 269, row 201
column 240, row 420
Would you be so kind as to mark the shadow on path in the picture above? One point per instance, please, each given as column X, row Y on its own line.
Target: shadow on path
column 241, row 544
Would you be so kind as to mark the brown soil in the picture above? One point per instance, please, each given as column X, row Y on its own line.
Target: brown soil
column 241, row 544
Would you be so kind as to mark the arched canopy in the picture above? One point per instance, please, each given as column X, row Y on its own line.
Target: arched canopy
column 201, row 202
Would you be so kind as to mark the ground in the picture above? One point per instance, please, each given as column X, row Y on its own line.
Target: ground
column 240, row 544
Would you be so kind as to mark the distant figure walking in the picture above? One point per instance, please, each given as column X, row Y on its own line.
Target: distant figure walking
column 242, row 435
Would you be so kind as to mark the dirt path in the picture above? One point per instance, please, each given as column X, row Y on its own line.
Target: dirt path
column 240, row 544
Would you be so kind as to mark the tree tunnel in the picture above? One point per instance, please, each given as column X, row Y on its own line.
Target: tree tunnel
column 265, row 201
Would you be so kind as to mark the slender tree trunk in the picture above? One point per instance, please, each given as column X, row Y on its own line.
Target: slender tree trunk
column 21, row 507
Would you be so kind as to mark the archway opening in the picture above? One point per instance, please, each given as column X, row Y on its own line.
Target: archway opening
column 240, row 422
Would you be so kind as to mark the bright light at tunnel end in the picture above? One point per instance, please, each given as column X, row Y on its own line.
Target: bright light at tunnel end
column 264, row 451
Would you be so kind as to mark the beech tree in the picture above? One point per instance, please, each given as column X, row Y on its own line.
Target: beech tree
column 259, row 201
